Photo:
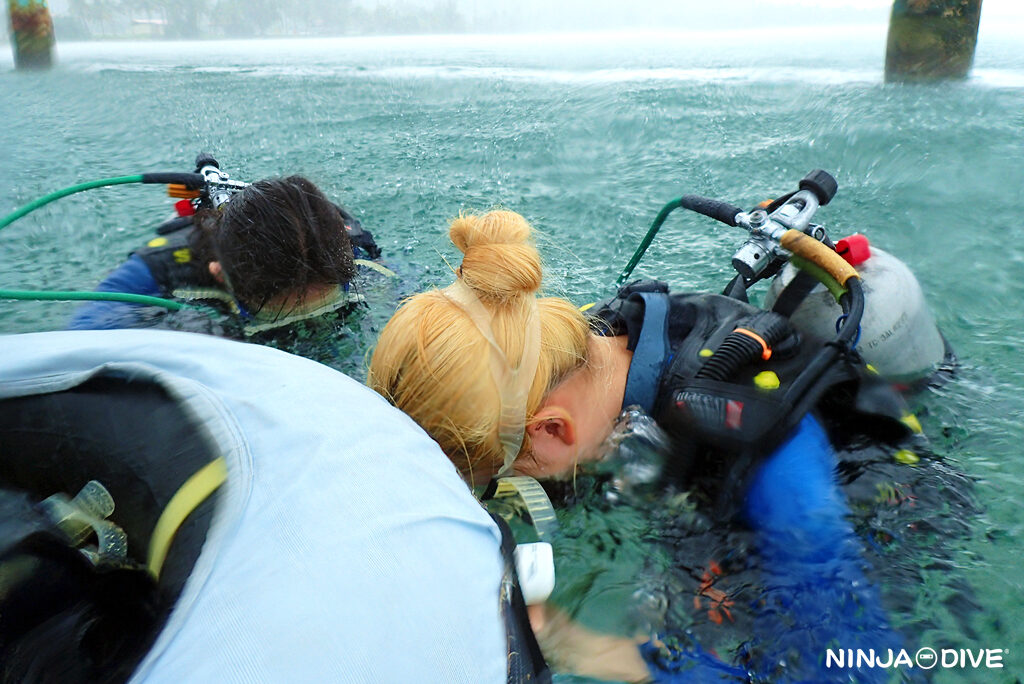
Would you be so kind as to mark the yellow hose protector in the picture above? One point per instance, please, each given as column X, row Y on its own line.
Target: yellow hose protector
column 815, row 252
column 188, row 497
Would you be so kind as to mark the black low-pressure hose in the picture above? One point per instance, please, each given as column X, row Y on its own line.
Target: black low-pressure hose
column 716, row 209
column 740, row 348
column 736, row 350
column 192, row 181
column 853, row 309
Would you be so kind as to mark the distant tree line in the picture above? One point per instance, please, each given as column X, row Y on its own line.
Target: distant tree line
column 177, row 19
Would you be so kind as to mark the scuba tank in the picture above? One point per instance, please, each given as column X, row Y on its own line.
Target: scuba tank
column 727, row 377
column 899, row 337
column 895, row 331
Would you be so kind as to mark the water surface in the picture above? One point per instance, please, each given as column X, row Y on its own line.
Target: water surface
column 586, row 135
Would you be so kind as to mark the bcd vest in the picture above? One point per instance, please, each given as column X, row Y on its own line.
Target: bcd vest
column 723, row 378
column 170, row 261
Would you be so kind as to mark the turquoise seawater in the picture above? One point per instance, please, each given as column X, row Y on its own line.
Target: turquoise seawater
column 588, row 136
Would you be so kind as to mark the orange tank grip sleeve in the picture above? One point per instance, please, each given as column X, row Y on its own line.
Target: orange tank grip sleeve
column 810, row 249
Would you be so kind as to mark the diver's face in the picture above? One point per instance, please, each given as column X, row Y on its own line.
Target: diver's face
column 578, row 415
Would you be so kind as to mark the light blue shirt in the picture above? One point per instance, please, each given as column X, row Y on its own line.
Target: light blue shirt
column 345, row 548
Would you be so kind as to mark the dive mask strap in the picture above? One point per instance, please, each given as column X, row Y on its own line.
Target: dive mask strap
column 513, row 384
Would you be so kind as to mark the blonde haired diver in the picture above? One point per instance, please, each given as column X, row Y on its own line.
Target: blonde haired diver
column 475, row 363
column 507, row 381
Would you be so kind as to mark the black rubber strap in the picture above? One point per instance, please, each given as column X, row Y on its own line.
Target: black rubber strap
column 541, row 671
column 794, row 293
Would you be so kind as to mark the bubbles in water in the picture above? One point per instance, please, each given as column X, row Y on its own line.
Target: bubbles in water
column 649, row 607
column 634, row 455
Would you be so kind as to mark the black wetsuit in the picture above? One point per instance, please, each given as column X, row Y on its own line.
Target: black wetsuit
column 726, row 425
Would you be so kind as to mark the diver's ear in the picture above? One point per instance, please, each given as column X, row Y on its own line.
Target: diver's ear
column 216, row 271
column 553, row 438
column 552, row 423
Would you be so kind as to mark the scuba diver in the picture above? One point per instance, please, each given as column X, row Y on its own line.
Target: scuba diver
column 184, row 508
column 266, row 255
column 508, row 382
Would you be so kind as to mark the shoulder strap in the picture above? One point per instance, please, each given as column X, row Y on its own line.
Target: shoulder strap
column 173, row 225
column 169, row 259
column 650, row 353
column 794, row 293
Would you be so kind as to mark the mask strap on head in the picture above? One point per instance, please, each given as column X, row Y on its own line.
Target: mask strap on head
column 242, row 311
column 513, row 383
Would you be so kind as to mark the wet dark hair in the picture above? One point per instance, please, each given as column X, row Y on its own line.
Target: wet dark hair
column 278, row 236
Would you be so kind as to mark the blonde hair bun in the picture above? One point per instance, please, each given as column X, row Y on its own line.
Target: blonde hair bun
column 499, row 262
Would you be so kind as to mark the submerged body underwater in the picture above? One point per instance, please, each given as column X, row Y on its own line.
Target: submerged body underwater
column 408, row 132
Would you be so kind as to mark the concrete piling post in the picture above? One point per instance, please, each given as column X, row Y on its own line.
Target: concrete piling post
column 31, row 33
column 931, row 39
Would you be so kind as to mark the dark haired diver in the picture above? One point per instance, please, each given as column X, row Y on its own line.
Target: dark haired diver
column 275, row 253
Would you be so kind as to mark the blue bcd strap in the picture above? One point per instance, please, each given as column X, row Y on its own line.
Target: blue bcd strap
column 650, row 353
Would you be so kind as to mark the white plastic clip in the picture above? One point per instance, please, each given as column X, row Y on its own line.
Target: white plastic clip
column 535, row 565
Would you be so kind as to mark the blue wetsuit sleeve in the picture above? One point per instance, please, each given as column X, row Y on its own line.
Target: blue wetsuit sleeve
column 692, row 666
column 815, row 594
column 793, row 501
column 132, row 277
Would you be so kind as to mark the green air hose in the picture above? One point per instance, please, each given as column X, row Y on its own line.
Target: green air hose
column 46, row 199
column 191, row 180
column 45, row 295
column 820, row 274
column 646, row 242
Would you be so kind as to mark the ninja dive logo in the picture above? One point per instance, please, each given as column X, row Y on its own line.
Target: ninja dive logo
column 925, row 658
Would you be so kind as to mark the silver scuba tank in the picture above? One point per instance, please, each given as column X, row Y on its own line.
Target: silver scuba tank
column 898, row 338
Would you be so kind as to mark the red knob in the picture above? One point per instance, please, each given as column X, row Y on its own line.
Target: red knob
column 184, row 207
column 855, row 249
